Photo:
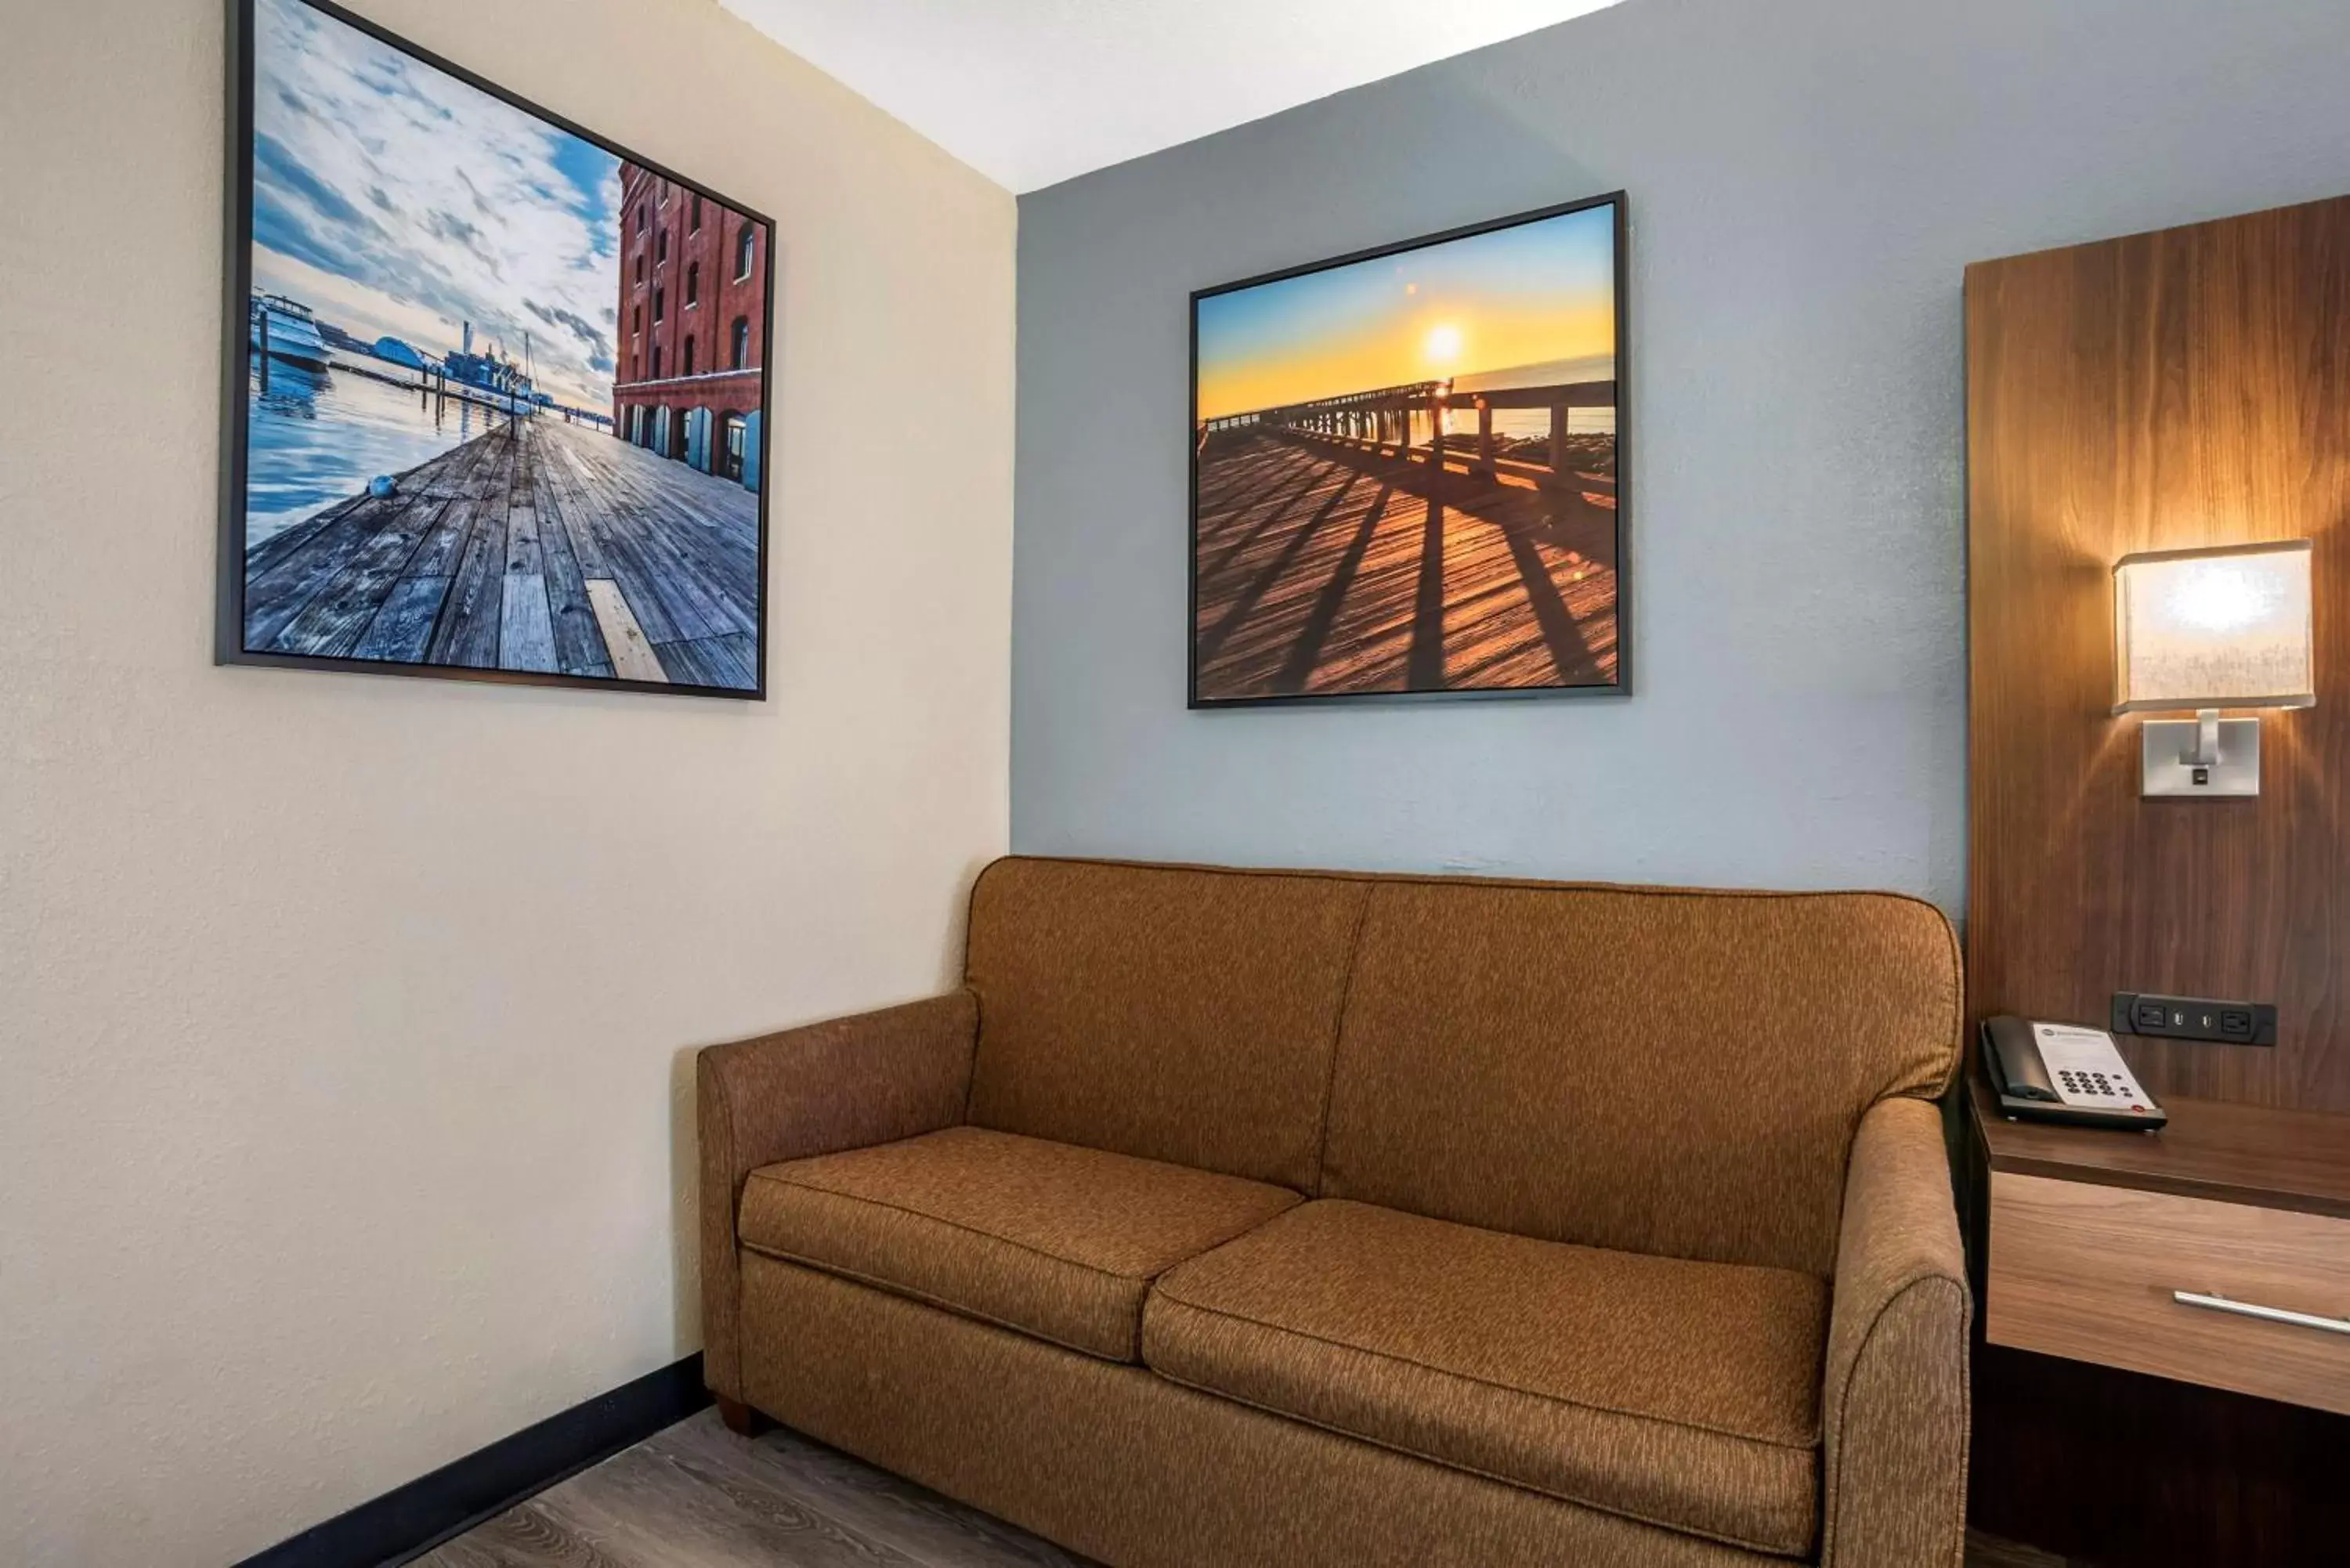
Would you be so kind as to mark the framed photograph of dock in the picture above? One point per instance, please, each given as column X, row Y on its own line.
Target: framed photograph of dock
column 1408, row 469
column 495, row 389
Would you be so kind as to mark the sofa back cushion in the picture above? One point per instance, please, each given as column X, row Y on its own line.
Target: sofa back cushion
column 1653, row 1070
column 1171, row 1013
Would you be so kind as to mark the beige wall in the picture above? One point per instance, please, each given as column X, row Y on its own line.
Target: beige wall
column 343, row 1020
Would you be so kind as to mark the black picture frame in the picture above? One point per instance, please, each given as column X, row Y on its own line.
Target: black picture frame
column 237, row 290
column 1622, row 686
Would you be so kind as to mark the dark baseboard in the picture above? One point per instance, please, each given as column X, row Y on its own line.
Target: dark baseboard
column 410, row 1520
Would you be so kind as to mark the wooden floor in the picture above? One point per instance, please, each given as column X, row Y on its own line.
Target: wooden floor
column 540, row 546
column 1987, row 1552
column 697, row 1496
column 1327, row 567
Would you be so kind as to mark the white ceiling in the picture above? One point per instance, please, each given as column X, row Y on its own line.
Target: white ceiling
column 1031, row 92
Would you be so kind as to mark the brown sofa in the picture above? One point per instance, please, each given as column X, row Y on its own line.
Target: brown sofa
column 1282, row 1218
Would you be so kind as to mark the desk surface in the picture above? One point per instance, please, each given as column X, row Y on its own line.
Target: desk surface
column 2229, row 1153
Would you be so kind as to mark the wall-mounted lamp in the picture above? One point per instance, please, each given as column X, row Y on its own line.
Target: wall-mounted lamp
column 2207, row 629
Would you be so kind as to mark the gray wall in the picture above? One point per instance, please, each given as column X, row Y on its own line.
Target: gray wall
column 1807, row 179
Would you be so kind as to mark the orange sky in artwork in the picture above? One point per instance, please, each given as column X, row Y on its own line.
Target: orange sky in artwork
column 1525, row 295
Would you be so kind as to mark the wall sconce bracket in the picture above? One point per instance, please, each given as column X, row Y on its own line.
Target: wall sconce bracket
column 2204, row 756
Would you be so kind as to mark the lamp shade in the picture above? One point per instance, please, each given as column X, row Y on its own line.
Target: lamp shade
column 2227, row 627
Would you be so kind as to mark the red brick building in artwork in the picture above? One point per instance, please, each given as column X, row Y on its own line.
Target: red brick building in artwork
column 692, row 327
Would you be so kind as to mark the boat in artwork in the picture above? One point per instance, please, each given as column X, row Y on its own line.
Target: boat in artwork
column 287, row 330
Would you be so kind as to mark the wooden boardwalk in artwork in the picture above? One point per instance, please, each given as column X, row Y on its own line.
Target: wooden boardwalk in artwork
column 1330, row 565
column 540, row 546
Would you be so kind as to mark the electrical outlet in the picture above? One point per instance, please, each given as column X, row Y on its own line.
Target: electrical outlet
column 2194, row 1018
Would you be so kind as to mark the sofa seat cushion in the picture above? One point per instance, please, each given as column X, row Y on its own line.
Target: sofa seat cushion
column 1052, row 1240
column 1683, row 1394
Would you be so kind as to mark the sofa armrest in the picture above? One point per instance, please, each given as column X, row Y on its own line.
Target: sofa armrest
column 1894, row 1406
column 845, row 1083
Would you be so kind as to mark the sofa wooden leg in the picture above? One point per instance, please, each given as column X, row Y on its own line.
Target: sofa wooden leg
column 740, row 1418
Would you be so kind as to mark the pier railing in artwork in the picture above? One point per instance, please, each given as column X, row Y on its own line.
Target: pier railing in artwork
column 433, row 380
column 1382, row 421
column 429, row 379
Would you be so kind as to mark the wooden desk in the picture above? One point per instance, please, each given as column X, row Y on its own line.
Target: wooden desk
column 2090, row 1234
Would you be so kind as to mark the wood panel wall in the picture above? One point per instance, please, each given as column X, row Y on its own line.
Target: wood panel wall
column 2162, row 392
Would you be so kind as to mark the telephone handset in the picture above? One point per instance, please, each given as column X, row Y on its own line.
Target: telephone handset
column 2063, row 1073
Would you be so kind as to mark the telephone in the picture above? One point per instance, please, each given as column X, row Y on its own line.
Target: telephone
column 2063, row 1073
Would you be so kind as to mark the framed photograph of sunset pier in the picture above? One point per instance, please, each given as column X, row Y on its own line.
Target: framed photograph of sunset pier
column 1407, row 471
column 495, row 389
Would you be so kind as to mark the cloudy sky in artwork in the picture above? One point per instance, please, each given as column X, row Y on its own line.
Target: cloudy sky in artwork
column 396, row 201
